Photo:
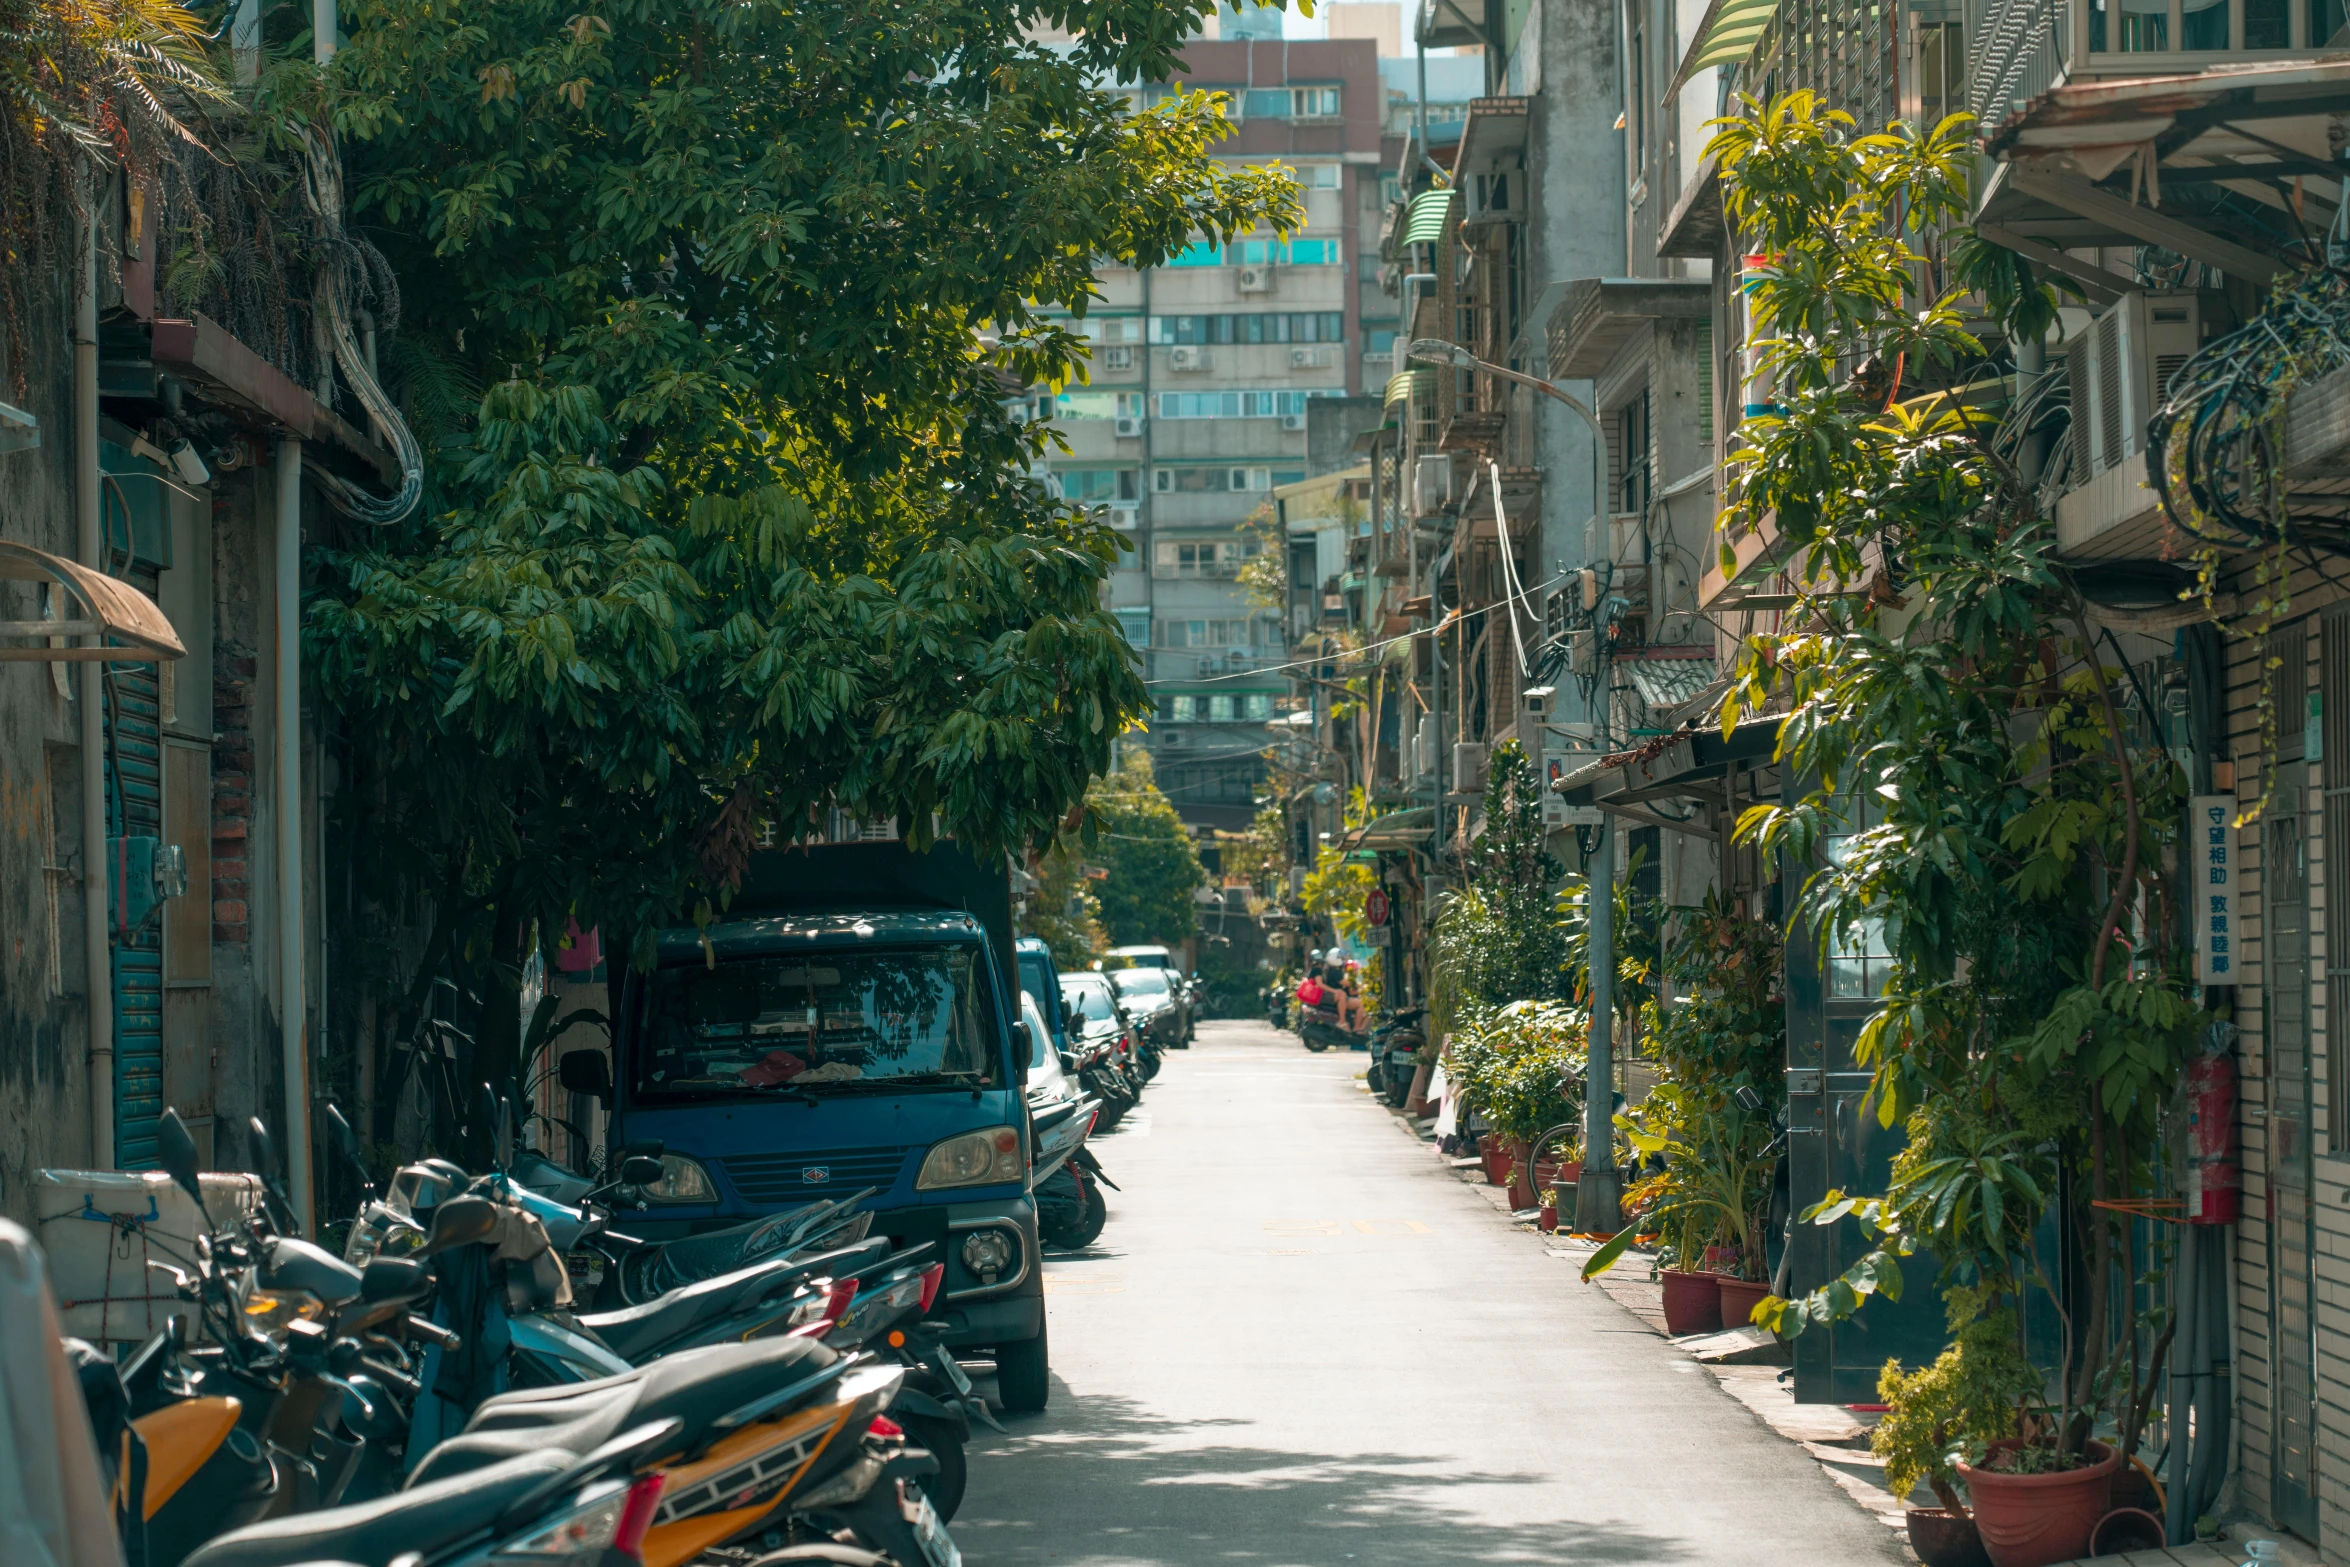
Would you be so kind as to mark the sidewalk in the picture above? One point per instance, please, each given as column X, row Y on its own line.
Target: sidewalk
column 1751, row 1367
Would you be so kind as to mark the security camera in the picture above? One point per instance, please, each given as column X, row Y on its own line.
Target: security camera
column 188, row 464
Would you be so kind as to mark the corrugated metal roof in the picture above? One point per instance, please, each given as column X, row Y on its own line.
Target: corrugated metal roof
column 1668, row 682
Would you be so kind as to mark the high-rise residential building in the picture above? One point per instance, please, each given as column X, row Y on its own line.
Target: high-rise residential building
column 1196, row 407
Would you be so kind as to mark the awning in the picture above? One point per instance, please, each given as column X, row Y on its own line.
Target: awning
column 1496, row 128
column 1429, row 210
column 1402, row 384
column 136, row 632
column 1726, row 35
column 1683, row 765
column 1409, row 829
column 1665, row 683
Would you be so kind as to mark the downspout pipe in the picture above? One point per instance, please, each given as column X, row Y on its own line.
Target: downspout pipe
column 90, row 545
column 287, row 760
column 1599, row 1198
column 2187, row 1295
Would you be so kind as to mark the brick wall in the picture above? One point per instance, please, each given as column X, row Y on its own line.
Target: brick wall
column 232, row 794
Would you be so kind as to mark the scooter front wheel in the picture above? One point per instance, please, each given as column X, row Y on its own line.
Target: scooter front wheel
column 944, row 1443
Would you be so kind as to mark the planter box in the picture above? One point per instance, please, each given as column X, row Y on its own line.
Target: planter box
column 1740, row 1297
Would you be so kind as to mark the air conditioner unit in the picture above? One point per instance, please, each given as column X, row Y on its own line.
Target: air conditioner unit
column 1308, row 358
column 1126, row 517
column 1293, row 421
column 1117, row 359
column 1129, row 427
column 1431, row 484
column 1468, row 765
column 1255, row 280
column 1187, row 358
column 2120, row 367
column 1620, row 544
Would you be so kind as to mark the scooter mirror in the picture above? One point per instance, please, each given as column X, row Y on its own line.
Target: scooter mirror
column 460, row 1222
column 394, row 1278
column 264, row 1152
column 637, row 1170
column 346, row 1145
column 176, row 1148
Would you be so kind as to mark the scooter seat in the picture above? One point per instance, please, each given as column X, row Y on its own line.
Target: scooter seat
column 696, row 1386
column 637, row 1333
column 423, row 1519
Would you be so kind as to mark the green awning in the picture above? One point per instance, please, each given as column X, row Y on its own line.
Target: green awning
column 1400, row 386
column 1429, row 210
column 1730, row 32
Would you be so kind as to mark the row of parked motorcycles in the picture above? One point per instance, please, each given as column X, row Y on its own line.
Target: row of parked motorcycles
column 437, row 1394
column 491, row 1372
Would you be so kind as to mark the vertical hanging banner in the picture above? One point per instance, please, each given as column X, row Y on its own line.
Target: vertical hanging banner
column 2211, row 874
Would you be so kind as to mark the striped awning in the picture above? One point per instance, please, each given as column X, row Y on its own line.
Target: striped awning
column 1429, row 210
column 1727, row 36
column 1401, row 384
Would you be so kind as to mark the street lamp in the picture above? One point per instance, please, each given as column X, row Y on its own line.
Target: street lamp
column 1599, row 1196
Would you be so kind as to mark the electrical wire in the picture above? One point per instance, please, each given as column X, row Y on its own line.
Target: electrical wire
column 1457, row 617
column 323, row 188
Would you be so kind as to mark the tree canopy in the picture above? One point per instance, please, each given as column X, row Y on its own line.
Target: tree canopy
column 1133, row 830
column 746, row 525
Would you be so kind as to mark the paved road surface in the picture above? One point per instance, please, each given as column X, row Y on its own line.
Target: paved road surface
column 1301, row 1341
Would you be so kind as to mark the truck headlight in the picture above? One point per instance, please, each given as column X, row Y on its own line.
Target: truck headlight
column 987, row 1158
column 682, row 1180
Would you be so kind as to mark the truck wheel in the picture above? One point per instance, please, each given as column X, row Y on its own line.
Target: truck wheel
column 1088, row 1227
column 1023, row 1376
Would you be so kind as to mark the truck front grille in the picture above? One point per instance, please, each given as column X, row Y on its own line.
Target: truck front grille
column 814, row 1174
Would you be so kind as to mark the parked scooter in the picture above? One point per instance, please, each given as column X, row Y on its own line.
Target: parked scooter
column 1395, row 1047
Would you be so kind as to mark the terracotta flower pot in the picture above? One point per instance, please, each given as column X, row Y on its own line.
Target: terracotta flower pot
column 1693, row 1303
column 1549, row 1221
column 1945, row 1539
column 1497, row 1159
column 2127, row 1529
column 2039, row 1520
column 1740, row 1297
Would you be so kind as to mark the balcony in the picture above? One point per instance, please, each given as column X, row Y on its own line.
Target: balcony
column 1599, row 316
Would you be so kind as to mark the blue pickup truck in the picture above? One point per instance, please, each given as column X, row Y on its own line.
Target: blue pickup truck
column 851, row 1022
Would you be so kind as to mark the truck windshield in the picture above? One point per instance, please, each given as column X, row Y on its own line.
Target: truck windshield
column 820, row 1022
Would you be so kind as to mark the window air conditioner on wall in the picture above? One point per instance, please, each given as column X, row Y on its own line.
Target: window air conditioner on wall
column 2120, row 366
column 1129, row 428
column 1308, row 358
column 1126, row 518
column 1431, row 484
column 1255, row 280
column 1468, row 766
column 1187, row 358
column 1293, row 421
column 1117, row 359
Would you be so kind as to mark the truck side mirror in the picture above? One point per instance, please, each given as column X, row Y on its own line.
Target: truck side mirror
column 1023, row 1050
column 587, row 1072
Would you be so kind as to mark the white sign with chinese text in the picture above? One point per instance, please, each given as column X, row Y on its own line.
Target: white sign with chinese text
column 2211, row 883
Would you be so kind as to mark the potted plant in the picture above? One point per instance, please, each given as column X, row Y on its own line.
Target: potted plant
column 1521, row 1069
column 1965, row 1401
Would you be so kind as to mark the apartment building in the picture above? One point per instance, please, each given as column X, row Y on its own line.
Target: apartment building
column 1196, row 408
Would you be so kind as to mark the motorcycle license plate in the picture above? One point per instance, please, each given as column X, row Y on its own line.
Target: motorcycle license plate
column 954, row 1372
column 938, row 1547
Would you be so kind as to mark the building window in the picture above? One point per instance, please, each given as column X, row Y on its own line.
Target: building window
column 1264, row 326
column 1096, row 485
column 1316, row 253
column 1860, row 964
column 1204, row 633
column 1236, row 405
column 1315, row 176
column 1256, row 704
column 1264, row 103
column 1313, row 103
column 1379, row 341
column 1632, row 452
column 1203, row 253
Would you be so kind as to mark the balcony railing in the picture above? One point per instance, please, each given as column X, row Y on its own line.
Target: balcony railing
column 2021, row 48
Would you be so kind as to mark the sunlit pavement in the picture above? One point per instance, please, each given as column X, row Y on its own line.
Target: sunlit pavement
column 1300, row 1340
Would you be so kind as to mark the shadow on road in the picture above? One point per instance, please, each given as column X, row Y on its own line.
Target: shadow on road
column 1102, row 1481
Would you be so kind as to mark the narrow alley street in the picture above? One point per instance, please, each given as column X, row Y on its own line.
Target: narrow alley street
column 1301, row 1341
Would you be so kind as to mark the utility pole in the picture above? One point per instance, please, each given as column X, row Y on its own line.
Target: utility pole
column 1599, row 1196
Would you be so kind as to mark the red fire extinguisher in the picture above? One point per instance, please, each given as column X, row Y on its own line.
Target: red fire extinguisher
column 2215, row 1179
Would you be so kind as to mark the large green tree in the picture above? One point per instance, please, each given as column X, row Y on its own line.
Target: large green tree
column 747, row 525
column 1133, row 830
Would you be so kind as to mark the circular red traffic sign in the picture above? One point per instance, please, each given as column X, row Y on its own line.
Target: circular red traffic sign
column 1375, row 907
